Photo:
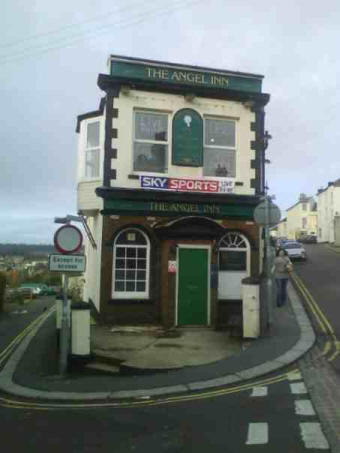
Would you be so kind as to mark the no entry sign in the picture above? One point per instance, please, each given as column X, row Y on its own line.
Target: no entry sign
column 68, row 239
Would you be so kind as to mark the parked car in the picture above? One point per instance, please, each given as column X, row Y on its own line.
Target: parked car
column 27, row 292
column 43, row 289
column 310, row 239
column 35, row 287
column 28, row 287
column 53, row 290
column 11, row 294
column 280, row 241
column 295, row 250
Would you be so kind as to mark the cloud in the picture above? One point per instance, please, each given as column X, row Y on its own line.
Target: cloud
column 294, row 44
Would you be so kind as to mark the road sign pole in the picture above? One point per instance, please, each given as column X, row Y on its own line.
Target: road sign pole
column 268, row 284
column 67, row 240
column 267, row 214
column 65, row 330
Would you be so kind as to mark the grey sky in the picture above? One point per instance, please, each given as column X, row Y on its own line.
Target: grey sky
column 48, row 76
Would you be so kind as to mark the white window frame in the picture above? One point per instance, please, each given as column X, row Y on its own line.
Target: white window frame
column 229, row 148
column 131, row 294
column 85, row 150
column 156, row 142
column 235, row 248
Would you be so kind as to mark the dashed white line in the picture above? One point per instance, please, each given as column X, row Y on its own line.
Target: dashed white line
column 304, row 407
column 298, row 387
column 259, row 391
column 313, row 436
column 257, row 434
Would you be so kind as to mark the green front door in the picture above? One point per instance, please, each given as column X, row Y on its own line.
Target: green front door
column 192, row 286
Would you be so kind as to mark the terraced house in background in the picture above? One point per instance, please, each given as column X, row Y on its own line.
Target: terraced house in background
column 302, row 218
column 171, row 167
column 329, row 213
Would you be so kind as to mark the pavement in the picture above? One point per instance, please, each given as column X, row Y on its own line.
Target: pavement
column 31, row 370
column 152, row 349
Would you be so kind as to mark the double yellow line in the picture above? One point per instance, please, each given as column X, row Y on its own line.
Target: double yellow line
column 321, row 319
column 15, row 404
column 4, row 354
column 325, row 326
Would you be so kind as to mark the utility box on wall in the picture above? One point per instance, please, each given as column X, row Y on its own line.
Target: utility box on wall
column 251, row 307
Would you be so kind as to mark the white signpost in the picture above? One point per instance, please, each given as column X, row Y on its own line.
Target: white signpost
column 68, row 240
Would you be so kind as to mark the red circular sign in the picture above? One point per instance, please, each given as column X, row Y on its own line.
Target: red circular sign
column 68, row 239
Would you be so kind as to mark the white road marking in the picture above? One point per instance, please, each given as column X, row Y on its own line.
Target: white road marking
column 313, row 436
column 304, row 407
column 257, row 434
column 298, row 387
column 259, row 391
column 294, row 376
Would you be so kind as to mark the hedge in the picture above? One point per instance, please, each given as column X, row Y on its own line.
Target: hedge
column 2, row 290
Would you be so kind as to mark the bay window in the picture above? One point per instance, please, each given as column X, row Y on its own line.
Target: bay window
column 92, row 150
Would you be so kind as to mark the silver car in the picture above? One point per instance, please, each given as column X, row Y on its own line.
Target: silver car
column 295, row 250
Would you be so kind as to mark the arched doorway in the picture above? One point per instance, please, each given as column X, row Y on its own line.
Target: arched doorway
column 233, row 265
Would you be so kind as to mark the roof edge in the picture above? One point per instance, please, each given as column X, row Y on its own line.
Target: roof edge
column 182, row 66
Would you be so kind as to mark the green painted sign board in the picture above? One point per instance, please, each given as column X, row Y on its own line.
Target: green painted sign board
column 167, row 208
column 188, row 77
column 187, row 138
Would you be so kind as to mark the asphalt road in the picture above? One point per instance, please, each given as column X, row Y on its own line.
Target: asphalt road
column 275, row 418
column 16, row 317
column 321, row 275
column 240, row 422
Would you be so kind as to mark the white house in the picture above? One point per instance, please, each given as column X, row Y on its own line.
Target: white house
column 302, row 217
column 282, row 228
column 171, row 167
column 329, row 212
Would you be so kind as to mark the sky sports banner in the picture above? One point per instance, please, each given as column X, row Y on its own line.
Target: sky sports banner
column 187, row 185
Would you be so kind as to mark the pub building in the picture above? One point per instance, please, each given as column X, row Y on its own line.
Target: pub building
column 170, row 170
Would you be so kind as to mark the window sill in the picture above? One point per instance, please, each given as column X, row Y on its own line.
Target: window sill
column 97, row 178
column 130, row 301
column 149, row 173
column 137, row 175
column 229, row 301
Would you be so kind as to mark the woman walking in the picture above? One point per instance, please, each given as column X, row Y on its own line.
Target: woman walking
column 282, row 266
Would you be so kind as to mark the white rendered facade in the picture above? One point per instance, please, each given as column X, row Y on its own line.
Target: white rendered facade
column 328, row 209
column 131, row 153
column 301, row 218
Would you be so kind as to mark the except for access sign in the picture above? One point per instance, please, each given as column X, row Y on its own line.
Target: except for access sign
column 66, row 263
